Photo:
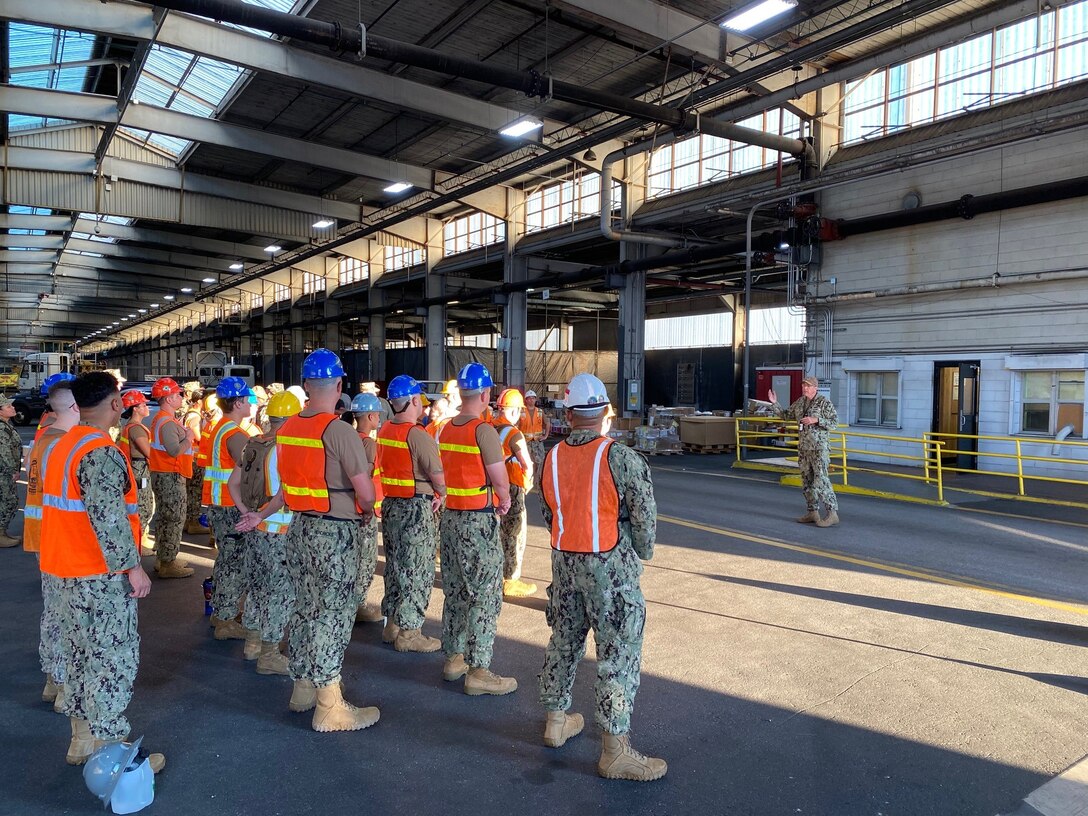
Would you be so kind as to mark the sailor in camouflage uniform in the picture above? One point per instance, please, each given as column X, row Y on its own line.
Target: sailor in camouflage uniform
column 90, row 532
column 477, row 494
column 599, row 531
column 171, row 463
column 192, row 417
column 327, row 485
column 367, row 409
column 11, row 462
column 816, row 417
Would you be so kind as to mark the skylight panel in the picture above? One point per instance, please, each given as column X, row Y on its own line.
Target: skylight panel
column 30, row 46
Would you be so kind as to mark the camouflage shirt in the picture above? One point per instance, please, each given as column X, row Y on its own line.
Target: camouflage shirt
column 811, row 437
column 11, row 448
column 103, row 481
column 638, row 510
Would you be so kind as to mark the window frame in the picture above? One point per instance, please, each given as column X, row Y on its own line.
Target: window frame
column 1053, row 404
column 880, row 397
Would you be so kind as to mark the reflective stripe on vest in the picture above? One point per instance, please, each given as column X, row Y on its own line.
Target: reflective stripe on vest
column 162, row 462
column 467, row 486
column 394, row 461
column 514, row 471
column 70, row 548
column 279, row 521
column 302, row 462
column 583, row 498
column 32, row 513
column 531, row 424
column 220, row 465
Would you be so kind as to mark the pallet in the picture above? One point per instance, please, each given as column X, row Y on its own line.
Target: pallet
column 659, row 453
column 690, row 448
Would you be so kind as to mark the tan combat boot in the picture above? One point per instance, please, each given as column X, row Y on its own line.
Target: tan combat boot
column 454, row 668
column 369, row 613
column 811, row 517
column 195, row 528
column 172, row 569
column 147, row 544
column 390, row 632
column 831, row 520
column 334, row 714
column 560, row 727
column 252, row 649
column 228, row 629
column 484, row 681
column 82, row 745
column 620, row 761
column 516, row 588
column 303, row 696
column 271, row 659
column 413, row 640
column 10, row 541
column 58, row 703
column 51, row 690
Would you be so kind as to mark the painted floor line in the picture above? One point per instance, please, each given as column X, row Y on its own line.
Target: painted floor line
column 1064, row 795
column 877, row 565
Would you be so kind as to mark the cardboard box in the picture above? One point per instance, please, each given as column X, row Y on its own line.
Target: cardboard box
column 626, row 423
column 708, row 431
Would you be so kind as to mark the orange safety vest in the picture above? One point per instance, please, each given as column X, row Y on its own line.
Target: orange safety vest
column 513, row 467
column 162, row 462
column 201, row 452
column 124, row 440
column 395, row 460
column 220, row 464
column 434, row 427
column 585, row 504
column 32, row 513
column 376, row 479
column 467, row 485
column 279, row 521
column 487, row 415
column 41, row 428
column 531, row 424
column 70, row 547
column 302, row 462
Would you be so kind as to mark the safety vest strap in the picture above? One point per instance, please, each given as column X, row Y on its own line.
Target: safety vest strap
column 583, row 499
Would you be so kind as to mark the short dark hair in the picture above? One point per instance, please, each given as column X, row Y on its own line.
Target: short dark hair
column 91, row 388
column 228, row 404
column 57, row 387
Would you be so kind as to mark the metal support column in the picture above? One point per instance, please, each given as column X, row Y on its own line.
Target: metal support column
column 375, row 338
column 515, row 315
column 436, row 314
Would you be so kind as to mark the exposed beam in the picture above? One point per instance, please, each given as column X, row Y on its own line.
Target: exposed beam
column 131, row 21
column 665, row 25
column 49, row 223
column 35, row 241
column 102, row 110
column 180, row 240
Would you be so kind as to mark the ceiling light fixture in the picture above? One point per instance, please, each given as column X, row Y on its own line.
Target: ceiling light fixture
column 208, row 280
column 589, row 156
column 397, row 187
column 237, row 266
column 167, row 297
column 323, row 223
column 521, row 127
column 187, row 290
column 154, row 305
column 754, row 14
column 270, row 248
column 142, row 311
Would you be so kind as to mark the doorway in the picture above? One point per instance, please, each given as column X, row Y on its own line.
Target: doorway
column 955, row 410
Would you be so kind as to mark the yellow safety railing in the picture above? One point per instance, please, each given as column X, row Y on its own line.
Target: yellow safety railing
column 1017, row 455
column 762, row 433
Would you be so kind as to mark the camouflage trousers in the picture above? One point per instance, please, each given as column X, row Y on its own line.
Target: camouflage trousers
column 512, row 533
column 103, row 647
column 323, row 557
column 144, row 494
column 471, row 583
column 193, row 492
column 536, row 454
column 169, row 517
column 409, row 531
column 602, row 593
column 368, row 559
column 9, row 498
column 230, row 573
column 271, row 592
column 51, row 645
column 815, row 485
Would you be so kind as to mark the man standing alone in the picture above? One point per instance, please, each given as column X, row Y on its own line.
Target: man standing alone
column 11, row 461
column 815, row 417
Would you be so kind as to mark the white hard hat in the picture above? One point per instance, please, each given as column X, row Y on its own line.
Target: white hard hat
column 586, row 393
column 298, row 391
column 530, row 393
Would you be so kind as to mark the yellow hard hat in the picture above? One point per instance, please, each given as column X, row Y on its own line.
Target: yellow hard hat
column 451, row 388
column 283, row 404
column 211, row 403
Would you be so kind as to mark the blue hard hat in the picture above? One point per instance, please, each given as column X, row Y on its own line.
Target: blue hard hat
column 53, row 379
column 232, row 387
column 365, row 404
column 474, row 377
column 322, row 365
column 402, row 387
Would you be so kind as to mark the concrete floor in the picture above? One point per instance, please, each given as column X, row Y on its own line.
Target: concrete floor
column 915, row 660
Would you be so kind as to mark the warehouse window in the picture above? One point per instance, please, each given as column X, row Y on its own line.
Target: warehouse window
column 1033, row 55
column 567, row 201
column 281, row 292
column 402, row 257
column 256, row 301
column 472, row 232
column 351, row 270
column 1050, row 400
column 692, row 331
column 877, row 398
column 704, row 159
column 557, row 338
column 776, row 327
column 312, row 283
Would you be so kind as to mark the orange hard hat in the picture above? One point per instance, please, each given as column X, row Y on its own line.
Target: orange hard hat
column 164, row 387
column 130, row 399
column 511, row 398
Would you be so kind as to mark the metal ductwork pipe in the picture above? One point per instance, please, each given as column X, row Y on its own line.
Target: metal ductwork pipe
column 531, row 83
column 607, row 230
